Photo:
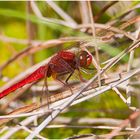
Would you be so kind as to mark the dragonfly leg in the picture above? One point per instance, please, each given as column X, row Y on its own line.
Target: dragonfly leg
column 45, row 90
column 66, row 81
column 80, row 76
column 65, row 84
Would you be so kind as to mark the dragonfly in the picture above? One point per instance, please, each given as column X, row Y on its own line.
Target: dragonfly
column 64, row 62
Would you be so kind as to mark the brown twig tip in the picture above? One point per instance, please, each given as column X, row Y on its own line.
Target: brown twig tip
column 124, row 123
column 105, row 8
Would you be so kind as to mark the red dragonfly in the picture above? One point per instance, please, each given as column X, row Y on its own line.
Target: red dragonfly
column 64, row 62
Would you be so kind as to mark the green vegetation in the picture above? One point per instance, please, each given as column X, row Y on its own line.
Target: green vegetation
column 13, row 25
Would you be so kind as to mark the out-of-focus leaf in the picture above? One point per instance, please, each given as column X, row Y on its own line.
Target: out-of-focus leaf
column 112, row 51
column 34, row 19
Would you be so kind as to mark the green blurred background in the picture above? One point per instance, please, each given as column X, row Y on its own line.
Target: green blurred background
column 13, row 23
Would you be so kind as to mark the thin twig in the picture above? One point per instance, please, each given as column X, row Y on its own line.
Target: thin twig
column 30, row 131
column 108, row 28
column 84, row 11
column 30, row 29
column 130, row 62
column 94, row 92
column 15, row 129
column 128, row 92
column 133, row 134
column 56, row 21
column 92, row 127
column 25, row 114
column 61, row 12
column 105, row 8
column 123, row 125
column 94, row 36
column 18, row 41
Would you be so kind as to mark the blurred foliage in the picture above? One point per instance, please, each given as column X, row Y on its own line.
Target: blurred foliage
column 13, row 24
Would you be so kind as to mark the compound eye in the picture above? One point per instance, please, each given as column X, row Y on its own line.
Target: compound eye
column 85, row 59
column 89, row 59
column 82, row 60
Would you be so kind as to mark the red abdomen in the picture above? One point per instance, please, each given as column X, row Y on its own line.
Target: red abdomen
column 38, row 74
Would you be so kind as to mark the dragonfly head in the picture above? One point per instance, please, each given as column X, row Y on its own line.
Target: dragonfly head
column 85, row 59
